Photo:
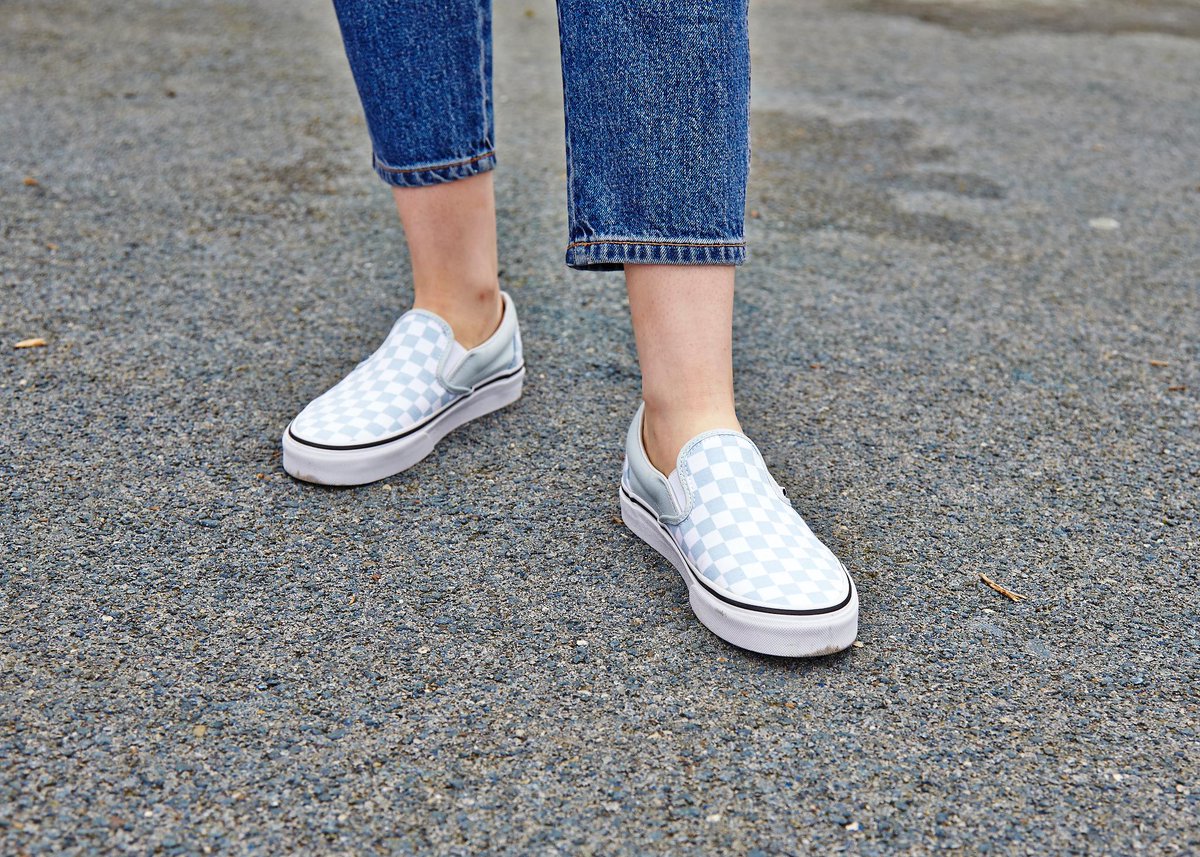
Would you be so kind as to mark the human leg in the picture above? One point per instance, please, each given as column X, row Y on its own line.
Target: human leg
column 698, row 491
column 423, row 72
column 451, row 233
column 424, row 76
column 657, row 99
column 682, row 323
column 657, row 134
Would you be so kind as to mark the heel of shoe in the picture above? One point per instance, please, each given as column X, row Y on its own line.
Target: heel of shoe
column 645, row 527
column 488, row 397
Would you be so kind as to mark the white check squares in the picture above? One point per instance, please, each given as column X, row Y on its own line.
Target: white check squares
column 387, row 394
column 744, row 537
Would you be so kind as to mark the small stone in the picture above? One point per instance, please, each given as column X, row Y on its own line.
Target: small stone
column 1105, row 224
column 199, row 730
column 714, row 818
column 853, row 826
column 423, row 650
column 858, row 644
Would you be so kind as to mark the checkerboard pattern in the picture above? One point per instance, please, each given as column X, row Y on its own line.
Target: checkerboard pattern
column 391, row 391
column 744, row 537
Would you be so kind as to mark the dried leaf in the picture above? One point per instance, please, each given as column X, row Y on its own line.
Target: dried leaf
column 36, row 342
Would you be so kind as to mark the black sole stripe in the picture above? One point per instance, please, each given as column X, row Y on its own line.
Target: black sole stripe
column 413, row 429
column 776, row 610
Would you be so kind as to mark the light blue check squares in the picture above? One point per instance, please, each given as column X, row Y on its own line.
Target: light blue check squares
column 743, row 536
column 391, row 391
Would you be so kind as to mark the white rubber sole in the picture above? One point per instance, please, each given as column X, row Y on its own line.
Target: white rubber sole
column 369, row 464
column 787, row 635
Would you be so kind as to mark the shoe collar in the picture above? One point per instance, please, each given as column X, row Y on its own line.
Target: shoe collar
column 455, row 355
column 677, row 486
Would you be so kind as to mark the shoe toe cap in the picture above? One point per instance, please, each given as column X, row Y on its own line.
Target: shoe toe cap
column 321, row 425
column 795, row 572
column 813, row 582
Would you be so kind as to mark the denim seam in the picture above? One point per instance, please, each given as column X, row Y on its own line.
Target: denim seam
column 568, row 148
column 614, row 254
column 380, row 165
column 660, row 243
column 481, row 38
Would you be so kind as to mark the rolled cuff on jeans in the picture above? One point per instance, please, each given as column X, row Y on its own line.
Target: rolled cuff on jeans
column 611, row 254
column 432, row 174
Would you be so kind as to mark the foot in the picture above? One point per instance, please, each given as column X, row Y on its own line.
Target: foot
column 394, row 407
column 757, row 576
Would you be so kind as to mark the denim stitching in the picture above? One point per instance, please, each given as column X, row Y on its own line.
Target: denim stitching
column 658, row 243
column 614, row 255
column 481, row 38
column 380, row 165
column 568, row 148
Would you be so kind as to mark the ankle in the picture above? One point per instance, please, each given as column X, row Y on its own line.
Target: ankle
column 473, row 315
column 665, row 429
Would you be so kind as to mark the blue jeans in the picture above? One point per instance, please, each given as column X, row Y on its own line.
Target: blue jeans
column 656, row 97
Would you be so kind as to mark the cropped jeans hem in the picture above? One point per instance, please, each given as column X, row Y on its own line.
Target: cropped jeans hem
column 432, row 174
column 611, row 254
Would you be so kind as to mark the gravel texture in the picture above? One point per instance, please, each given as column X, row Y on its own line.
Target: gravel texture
column 946, row 351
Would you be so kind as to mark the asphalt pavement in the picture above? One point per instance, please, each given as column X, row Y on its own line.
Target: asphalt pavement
column 967, row 341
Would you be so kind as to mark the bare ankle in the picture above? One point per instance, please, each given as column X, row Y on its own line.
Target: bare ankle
column 473, row 317
column 665, row 430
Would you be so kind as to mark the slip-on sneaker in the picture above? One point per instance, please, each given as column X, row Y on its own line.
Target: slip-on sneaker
column 756, row 575
column 394, row 407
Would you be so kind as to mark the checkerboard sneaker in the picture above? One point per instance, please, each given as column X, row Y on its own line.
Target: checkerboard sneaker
column 395, row 406
column 757, row 576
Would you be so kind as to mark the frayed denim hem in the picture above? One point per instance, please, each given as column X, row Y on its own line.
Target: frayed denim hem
column 434, row 173
column 613, row 253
